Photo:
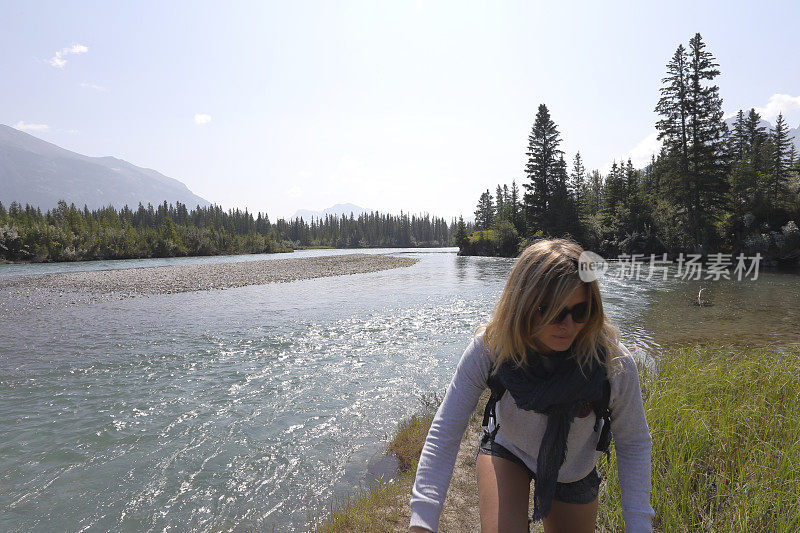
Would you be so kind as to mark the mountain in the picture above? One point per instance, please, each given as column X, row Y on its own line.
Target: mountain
column 39, row 173
column 336, row 210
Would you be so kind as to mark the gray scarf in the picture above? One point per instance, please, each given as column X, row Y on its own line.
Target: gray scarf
column 554, row 386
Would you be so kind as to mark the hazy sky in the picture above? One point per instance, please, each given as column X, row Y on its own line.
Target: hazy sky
column 392, row 105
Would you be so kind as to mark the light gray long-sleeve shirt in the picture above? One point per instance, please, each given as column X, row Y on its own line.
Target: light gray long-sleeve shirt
column 521, row 432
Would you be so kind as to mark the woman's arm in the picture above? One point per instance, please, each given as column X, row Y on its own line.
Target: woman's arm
column 438, row 456
column 633, row 446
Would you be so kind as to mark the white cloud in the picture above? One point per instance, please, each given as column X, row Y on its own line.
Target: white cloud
column 202, row 119
column 78, row 49
column 22, row 126
column 58, row 60
column 778, row 103
column 92, row 86
column 640, row 154
column 294, row 192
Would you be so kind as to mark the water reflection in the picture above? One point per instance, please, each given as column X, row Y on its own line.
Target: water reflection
column 764, row 311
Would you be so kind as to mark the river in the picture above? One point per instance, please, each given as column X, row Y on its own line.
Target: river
column 259, row 407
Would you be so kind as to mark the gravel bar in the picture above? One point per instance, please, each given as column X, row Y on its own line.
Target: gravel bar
column 92, row 286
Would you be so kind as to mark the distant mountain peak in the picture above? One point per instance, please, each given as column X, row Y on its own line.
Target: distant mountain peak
column 335, row 210
column 40, row 173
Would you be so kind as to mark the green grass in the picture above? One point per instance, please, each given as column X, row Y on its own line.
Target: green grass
column 477, row 235
column 375, row 509
column 726, row 442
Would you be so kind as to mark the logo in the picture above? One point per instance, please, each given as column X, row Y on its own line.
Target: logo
column 591, row 266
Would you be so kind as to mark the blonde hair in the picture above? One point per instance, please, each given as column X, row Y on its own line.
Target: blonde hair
column 547, row 272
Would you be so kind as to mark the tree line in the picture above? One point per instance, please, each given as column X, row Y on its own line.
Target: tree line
column 67, row 233
column 709, row 189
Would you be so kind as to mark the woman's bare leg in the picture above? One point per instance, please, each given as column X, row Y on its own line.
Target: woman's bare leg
column 503, row 491
column 571, row 517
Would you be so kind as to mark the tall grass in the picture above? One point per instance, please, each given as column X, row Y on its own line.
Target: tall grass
column 725, row 424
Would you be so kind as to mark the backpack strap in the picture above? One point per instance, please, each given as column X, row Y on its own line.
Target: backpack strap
column 602, row 412
column 496, row 391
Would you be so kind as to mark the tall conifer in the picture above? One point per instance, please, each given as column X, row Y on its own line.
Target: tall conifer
column 707, row 137
column 737, row 140
column 499, row 202
column 673, row 108
column 543, row 159
column 756, row 139
column 779, row 162
column 577, row 177
column 484, row 212
column 516, row 209
column 562, row 213
column 693, row 132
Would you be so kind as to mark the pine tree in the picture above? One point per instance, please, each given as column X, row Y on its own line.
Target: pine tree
column 577, row 177
column 460, row 236
column 614, row 191
column 484, row 213
column 515, row 210
column 499, row 203
column 577, row 185
column 756, row 139
column 639, row 216
column 543, row 157
column 779, row 164
column 749, row 161
column 594, row 192
column 673, row 161
column 737, row 140
column 673, row 108
column 563, row 212
column 707, row 138
column 693, row 132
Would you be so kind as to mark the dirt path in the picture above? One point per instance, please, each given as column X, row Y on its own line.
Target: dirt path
column 460, row 513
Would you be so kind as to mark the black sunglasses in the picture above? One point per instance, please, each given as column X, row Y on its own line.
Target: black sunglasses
column 579, row 313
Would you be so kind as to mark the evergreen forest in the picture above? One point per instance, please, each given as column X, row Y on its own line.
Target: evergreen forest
column 67, row 233
column 710, row 189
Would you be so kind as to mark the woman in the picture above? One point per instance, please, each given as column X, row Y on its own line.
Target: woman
column 552, row 349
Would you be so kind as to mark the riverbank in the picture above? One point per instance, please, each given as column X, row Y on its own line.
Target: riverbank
column 46, row 290
column 385, row 507
column 726, row 450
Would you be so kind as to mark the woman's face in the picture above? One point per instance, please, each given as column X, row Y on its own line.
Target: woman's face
column 559, row 336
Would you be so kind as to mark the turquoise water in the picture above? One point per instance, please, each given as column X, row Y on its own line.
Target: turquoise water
column 259, row 406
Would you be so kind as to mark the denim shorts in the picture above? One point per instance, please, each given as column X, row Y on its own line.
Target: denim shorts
column 582, row 491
